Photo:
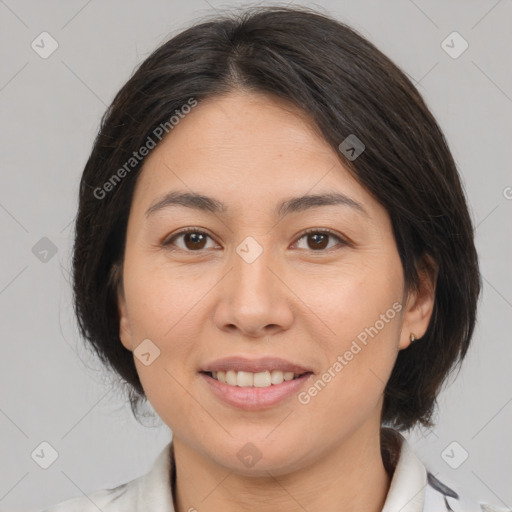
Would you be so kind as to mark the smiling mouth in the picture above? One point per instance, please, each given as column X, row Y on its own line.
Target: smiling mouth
column 254, row 380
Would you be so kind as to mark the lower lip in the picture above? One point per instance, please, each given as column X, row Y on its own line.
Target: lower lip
column 251, row 398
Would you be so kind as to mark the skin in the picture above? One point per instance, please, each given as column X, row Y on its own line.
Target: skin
column 201, row 302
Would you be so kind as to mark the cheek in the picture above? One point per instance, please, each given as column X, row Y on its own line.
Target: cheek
column 362, row 309
column 163, row 307
column 161, row 299
column 353, row 297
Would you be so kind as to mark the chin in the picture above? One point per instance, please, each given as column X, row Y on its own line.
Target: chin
column 258, row 455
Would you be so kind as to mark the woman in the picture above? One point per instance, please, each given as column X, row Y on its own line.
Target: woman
column 273, row 247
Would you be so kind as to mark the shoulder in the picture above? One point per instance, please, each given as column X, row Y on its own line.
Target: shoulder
column 150, row 491
column 452, row 497
column 414, row 488
column 107, row 500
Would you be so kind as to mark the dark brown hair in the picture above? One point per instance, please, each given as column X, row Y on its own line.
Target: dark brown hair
column 345, row 86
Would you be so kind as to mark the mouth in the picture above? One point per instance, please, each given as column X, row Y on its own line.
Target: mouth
column 251, row 384
column 263, row 379
column 259, row 391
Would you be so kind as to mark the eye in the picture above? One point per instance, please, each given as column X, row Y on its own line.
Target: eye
column 318, row 239
column 194, row 240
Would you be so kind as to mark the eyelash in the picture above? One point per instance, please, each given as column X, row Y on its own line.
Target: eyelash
column 168, row 243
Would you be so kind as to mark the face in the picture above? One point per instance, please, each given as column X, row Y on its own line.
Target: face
column 261, row 287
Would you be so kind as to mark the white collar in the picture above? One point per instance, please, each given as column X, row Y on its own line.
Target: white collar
column 407, row 490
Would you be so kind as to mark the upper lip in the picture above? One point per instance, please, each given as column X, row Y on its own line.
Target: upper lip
column 239, row 363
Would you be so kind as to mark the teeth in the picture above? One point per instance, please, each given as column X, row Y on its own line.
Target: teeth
column 256, row 380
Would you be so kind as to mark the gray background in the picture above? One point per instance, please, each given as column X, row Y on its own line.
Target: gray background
column 53, row 390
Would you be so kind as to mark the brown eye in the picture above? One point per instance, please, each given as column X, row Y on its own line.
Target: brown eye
column 193, row 240
column 319, row 240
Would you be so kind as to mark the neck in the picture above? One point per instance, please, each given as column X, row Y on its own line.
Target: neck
column 352, row 477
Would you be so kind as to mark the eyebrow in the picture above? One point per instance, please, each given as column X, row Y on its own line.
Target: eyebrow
column 293, row 205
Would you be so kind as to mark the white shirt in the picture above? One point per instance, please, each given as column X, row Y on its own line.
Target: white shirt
column 412, row 489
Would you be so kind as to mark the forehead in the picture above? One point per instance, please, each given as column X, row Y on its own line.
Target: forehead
column 245, row 148
column 243, row 126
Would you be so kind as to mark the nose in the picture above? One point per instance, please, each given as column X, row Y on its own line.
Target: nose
column 254, row 298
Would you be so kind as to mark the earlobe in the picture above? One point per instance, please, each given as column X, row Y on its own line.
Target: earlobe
column 420, row 305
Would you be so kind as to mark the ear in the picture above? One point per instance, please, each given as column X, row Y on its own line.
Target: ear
column 420, row 303
column 125, row 333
